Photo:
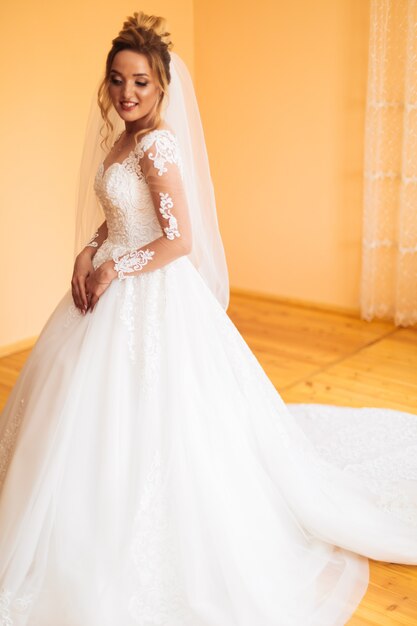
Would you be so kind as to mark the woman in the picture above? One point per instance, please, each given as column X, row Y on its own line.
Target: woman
column 151, row 473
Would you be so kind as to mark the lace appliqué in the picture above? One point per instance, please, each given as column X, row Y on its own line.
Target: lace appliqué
column 378, row 448
column 128, row 315
column 92, row 243
column 157, row 597
column 128, row 206
column 10, row 606
column 390, row 479
column 8, row 441
column 142, row 304
column 131, row 164
column 133, row 223
column 165, row 150
column 132, row 262
column 166, row 204
column 252, row 378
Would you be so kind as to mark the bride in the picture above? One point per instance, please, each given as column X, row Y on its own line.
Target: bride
column 150, row 472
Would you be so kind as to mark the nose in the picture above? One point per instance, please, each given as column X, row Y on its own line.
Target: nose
column 127, row 90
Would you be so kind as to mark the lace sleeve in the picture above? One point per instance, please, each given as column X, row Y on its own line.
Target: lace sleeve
column 97, row 239
column 160, row 162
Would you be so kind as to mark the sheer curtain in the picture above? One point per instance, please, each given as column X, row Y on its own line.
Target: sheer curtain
column 389, row 262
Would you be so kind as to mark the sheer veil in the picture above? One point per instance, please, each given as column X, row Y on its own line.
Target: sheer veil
column 183, row 116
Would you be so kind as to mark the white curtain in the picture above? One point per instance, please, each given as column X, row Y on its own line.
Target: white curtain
column 389, row 262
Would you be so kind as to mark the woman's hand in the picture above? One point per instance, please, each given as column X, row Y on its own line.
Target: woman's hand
column 98, row 281
column 83, row 267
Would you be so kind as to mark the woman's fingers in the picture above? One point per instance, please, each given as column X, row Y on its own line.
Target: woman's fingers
column 79, row 292
column 94, row 289
column 82, row 291
column 75, row 294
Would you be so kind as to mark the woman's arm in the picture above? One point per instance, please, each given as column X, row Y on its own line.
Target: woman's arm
column 170, row 204
column 96, row 240
column 83, row 267
column 163, row 176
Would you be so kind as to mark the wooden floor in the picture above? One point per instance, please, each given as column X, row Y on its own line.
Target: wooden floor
column 318, row 356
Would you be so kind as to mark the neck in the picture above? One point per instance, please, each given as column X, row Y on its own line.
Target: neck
column 143, row 122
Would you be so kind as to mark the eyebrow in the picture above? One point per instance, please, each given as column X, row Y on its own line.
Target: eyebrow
column 117, row 72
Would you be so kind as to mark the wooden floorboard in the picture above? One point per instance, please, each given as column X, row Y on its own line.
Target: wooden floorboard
column 327, row 357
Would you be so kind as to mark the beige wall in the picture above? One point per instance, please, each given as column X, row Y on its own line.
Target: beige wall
column 51, row 61
column 281, row 87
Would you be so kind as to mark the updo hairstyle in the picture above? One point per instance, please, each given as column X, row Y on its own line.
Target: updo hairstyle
column 147, row 35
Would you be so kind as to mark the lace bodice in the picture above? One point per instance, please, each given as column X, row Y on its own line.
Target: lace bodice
column 125, row 195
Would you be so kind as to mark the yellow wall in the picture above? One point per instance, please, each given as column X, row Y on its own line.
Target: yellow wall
column 51, row 56
column 281, row 87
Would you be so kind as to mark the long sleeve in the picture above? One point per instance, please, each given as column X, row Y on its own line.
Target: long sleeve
column 97, row 239
column 160, row 163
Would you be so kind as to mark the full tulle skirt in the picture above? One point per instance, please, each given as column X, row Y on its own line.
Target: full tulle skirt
column 152, row 475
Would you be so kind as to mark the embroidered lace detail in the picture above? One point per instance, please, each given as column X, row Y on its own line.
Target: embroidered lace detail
column 399, row 504
column 142, row 305
column 131, row 164
column 129, row 210
column 72, row 313
column 387, row 477
column 157, row 597
column 166, row 204
column 8, row 441
column 132, row 262
column 126, row 199
column 339, row 439
column 165, row 149
column 128, row 315
column 361, row 442
column 131, row 224
column 93, row 243
column 10, row 606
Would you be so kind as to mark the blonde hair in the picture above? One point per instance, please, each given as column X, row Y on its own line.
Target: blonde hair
column 147, row 35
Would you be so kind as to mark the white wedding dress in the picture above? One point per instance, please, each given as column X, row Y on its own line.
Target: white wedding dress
column 152, row 475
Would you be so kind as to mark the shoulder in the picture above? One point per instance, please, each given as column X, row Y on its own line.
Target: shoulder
column 163, row 135
column 162, row 147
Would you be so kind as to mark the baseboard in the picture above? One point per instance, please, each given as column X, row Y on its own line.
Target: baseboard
column 17, row 346
column 25, row 344
column 298, row 302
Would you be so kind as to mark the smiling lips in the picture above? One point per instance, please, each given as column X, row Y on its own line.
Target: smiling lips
column 128, row 105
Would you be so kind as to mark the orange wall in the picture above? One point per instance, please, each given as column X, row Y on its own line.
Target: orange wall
column 281, row 91
column 281, row 87
column 52, row 55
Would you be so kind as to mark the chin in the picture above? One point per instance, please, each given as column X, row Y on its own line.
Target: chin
column 126, row 115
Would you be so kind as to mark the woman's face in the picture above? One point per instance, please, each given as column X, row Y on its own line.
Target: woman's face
column 133, row 89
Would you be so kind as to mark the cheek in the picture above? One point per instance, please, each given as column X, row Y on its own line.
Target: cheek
column 113, row 91
column 148, row 96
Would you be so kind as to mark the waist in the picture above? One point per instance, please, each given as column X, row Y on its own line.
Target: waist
column 112, row 248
